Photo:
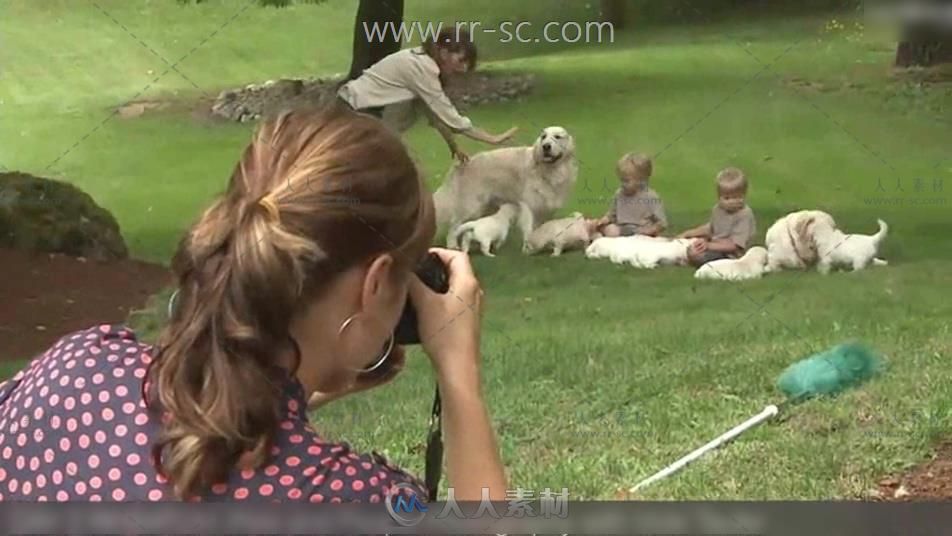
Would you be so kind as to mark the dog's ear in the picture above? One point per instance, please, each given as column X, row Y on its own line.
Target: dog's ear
column 570, row 143
column 803, row 229
column 805, row 242
column 537, row 152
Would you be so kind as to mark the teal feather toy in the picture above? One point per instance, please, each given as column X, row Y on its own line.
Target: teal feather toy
column 824, row 374
column 829, row 373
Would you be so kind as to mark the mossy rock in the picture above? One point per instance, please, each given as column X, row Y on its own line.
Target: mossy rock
column 50, row 216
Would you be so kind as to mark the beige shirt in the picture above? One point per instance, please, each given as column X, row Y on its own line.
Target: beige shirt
column 398, row 81
column 642, row 210
column 739, row 227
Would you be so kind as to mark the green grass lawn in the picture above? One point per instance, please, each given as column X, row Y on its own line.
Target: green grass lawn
column 596, row 375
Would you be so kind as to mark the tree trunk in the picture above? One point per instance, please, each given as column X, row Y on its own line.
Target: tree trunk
column 924, row 49
column 613, row 11
column 926, row 40
column 372, row 45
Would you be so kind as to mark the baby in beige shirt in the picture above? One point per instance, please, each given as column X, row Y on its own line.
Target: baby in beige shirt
column 732, row 226
column 636, row 208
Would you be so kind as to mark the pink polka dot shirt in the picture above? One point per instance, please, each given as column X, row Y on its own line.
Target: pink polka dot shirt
column 74, row 427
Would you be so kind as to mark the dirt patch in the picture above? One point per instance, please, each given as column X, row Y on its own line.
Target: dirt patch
column 929, row 481
column 813, row 86
column 46, row 296
column 251, row 102
column 137, row 108
column 254, row 101
column 939, row 74
column 201, row 112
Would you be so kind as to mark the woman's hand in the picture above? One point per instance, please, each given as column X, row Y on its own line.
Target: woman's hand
column 505, row 136
column 459, row 155
column 449, row 324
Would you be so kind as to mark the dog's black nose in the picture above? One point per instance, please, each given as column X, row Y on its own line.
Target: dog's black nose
column 546, row 147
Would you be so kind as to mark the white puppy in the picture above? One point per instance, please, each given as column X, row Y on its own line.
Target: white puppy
column 600, row 248
column 790, row 241
column 624, row 250
column 838, row 249
column 538, row 178
column 491, row 231
column 562, row 234
column 655, row 252
column 641, row 251
column 608, row 247
column 750, row 266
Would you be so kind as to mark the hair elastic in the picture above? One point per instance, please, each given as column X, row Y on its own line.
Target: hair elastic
column 268, row 203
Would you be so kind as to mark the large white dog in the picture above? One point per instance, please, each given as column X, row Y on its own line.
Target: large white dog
column 538, row 179
column 489, row 231
column 791, row 242
column 641, row 251
column 750, row 266
column 838, row 249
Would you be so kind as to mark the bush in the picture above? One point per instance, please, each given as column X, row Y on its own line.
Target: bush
column 38, row 214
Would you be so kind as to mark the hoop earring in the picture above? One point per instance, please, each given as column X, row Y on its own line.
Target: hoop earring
column 383, row 357
column 346, row 323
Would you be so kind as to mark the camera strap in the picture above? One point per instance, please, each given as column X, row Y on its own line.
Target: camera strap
column 434, row 448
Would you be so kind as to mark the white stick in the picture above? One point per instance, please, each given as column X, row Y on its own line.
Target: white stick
column 767, row 413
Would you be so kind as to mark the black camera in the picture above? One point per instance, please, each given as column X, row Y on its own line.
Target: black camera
column 432, row 272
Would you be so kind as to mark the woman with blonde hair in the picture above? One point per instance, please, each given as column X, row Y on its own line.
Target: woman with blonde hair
column 289, row 289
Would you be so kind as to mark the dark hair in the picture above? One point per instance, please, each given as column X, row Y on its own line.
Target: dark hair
column 455, row 40
column 315, row 193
